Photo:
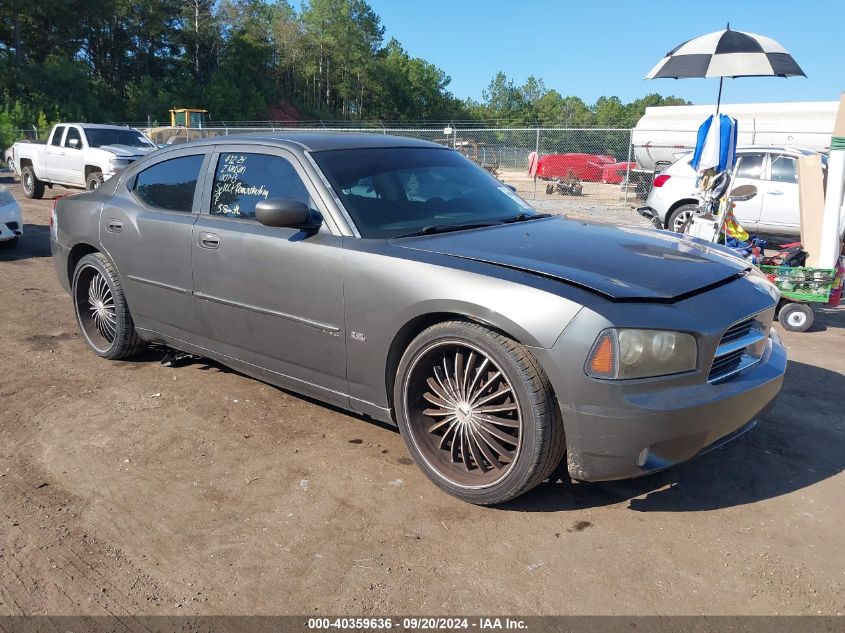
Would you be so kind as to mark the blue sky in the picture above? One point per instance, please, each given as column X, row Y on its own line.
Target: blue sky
column 590, row 48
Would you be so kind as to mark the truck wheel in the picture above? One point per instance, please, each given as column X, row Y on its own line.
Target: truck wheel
column 32, row 187
column 680, row 218
column 101, row 309
column 796, row 317
column 94, row 180
column 477, row 413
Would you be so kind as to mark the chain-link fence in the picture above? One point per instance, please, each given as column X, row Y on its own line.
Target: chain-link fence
column 607, row 166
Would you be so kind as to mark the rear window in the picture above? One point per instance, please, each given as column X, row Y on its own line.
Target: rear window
column 169, row 185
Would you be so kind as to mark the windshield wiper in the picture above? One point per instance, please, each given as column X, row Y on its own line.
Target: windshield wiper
column 523, row 217
column 446, row 228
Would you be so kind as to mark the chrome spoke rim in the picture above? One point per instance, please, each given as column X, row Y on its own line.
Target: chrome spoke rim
column 96, row 308
column 467, row 423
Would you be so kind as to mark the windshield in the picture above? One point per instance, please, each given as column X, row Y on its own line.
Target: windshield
column 100, row 137
column 395, row 191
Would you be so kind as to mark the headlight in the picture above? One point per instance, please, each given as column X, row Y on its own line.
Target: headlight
column 118, row 163
column 621, row 353
column 6, row 197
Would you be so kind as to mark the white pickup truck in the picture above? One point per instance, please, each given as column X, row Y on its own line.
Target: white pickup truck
column 81, row 155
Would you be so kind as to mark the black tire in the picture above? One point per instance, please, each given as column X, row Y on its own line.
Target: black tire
column 684, row 209
column 109, row 332
column 94, row 180
column 796, row 317
column 32, row 187
column 528, row 413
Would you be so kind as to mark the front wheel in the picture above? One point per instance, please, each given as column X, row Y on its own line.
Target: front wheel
column 477, row 413
column 101, row 309
column 796, row 317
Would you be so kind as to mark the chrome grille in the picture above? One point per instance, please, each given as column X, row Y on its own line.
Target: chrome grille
column 737, row 330
column 740, row 347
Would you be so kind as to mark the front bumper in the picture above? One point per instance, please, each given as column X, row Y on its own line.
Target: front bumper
column 637, row 434
column 629, row 428
column 11, row 223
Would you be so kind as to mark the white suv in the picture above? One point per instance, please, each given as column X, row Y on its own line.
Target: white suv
column 773, row 170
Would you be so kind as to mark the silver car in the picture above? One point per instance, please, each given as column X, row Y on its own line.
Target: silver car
column 772, row 170
column 395, row 278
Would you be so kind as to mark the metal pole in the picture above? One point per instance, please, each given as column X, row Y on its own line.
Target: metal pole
column 628, row 165
column 719, row 98
column 536, row 157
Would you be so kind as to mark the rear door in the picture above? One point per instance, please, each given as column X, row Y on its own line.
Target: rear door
column 146, row 229
column 271, row 297
column 750, row 170
column 780, row 205
column 54, row 152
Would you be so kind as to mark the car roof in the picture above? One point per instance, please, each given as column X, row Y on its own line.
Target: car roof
column 96, row 126
column 318, row 141
column 786, row 149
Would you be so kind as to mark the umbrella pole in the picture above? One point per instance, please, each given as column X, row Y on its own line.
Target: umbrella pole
column 719, row 98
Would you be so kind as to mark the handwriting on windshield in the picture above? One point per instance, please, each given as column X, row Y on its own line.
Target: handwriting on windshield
column 229, row 180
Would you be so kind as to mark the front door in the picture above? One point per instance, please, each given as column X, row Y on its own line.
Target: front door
column 146, row 229
column 69, row 166
column 269, row 297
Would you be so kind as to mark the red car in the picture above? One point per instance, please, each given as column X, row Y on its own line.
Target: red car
column 614, row 174
column 587, row 167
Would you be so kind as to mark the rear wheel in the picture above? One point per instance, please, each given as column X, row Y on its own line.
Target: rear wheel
column 477, row 413
column 680, row 218
column 796, row 317
column 32, row 187
column 94, row 180
column 101, row 310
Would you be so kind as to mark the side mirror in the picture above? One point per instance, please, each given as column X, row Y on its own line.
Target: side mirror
column 743, row 193
column 283, row 212
column 73, row 143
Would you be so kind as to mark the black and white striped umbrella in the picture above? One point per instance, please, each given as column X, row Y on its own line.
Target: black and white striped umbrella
column 727, row 53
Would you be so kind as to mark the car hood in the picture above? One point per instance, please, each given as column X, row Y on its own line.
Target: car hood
column 621, row 263
column 127, row 151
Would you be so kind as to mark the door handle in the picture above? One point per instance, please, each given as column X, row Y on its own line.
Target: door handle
column 114, row 226
column 208, row 240
column 776, row 192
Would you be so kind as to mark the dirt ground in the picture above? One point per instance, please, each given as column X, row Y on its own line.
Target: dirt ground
column 132, row 488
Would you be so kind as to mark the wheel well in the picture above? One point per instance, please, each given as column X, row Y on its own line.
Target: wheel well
column 76, row 253
column 409, row 332
column 89, row 169
column 675, row 207
column 25, row 162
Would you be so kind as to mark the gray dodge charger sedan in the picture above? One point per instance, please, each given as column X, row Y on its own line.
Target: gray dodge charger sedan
column 395, row 278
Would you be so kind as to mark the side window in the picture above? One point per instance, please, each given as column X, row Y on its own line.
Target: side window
column 170, row 185
column 750, row 166
column 783, row 169
column 243, row 180
column 57, row 136
column 73, row 133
